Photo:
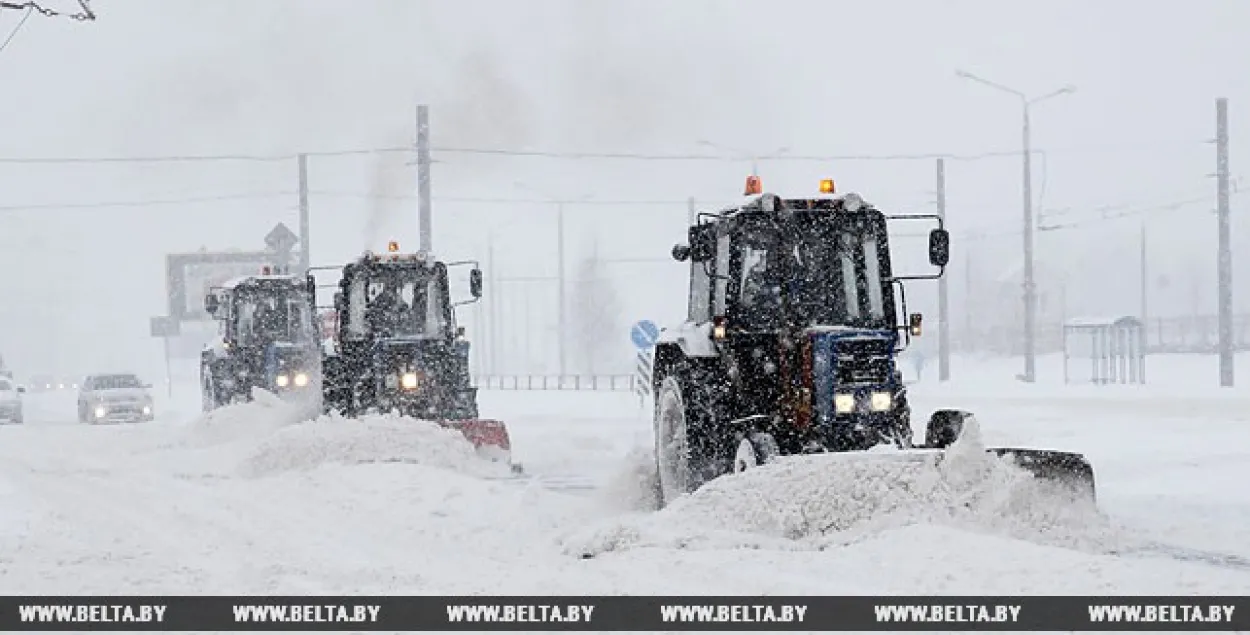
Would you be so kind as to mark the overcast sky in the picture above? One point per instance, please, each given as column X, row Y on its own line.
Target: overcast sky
column 829, row 78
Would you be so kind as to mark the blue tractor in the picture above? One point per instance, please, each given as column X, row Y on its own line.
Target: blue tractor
column 268, row 340
column 791, row 343
column 396, row 347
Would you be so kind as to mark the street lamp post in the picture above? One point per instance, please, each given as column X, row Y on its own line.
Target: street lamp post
column 1029, row 284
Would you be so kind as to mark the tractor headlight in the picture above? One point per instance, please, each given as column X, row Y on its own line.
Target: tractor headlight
column 843, row 404
column 100, row 411
column 301, row 379
column 881, row 401
column 147, row 410
column 282, row 381
column 408, row 381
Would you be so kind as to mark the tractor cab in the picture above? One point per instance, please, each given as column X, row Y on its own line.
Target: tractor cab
column 786, row 265
column 267, row 338
column 794, row 309
column 396, row 344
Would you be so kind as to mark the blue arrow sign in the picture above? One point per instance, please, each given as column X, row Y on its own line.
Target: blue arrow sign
column 644, row 334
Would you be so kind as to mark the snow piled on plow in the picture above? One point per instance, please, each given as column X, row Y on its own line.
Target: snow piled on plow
column 820, row 501
column 269, row 436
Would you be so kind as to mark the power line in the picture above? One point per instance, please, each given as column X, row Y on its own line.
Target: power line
column 503, row 201
column 146, row 202
column 13, row 33
column 570, row 155
column 84, row 13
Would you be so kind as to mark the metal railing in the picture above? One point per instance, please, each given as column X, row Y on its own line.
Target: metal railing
column 609, row 383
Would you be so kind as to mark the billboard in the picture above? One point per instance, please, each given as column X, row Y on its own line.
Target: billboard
column 190, row 276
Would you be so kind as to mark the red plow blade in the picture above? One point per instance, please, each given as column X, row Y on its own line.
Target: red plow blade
column 489, row 436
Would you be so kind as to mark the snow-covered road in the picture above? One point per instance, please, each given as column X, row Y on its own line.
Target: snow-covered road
column 249, row 500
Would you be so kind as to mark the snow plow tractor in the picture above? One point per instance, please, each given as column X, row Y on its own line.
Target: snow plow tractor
column 791, row 342
column 397, row 349
column 267, row 340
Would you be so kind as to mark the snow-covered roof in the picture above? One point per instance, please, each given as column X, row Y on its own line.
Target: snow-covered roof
column 1088, row 322
column 234, row 282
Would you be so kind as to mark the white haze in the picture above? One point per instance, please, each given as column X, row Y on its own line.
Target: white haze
column 821, row 77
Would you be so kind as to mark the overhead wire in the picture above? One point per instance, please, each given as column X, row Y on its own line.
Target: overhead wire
column 554, row 154
column 13, row 33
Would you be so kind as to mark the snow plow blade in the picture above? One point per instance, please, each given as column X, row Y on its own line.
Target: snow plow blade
column 1069, row 470
column 489, row 436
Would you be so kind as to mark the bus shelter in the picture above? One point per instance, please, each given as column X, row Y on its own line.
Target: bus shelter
column 1104, row 351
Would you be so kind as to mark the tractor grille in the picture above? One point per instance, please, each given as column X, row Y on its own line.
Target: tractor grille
column 862, row 362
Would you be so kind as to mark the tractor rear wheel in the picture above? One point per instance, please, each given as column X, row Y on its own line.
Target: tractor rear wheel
column 679, row 452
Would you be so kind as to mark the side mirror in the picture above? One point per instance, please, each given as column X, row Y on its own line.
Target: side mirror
column 475, row 283
column 681, row 253
column 914, row 323
column 939, row 247
column 702, row 245
column 210, row 304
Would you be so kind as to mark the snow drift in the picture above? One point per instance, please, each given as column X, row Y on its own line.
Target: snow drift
column 269, row 436
column 818, row 501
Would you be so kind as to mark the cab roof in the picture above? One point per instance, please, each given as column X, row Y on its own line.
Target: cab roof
column 849, row 203
column 260, row 279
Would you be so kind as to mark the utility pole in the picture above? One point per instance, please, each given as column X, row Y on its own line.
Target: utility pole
column 493, row 299
column 1225, row 258
column 304, row 255
column 1144, row 339
column 944, row 321
column 1144, row 273
column 969, row 337
column 1029, row 284
column 562, row 323
column 423, row 177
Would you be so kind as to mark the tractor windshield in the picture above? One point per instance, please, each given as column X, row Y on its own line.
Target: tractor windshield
column 272, row 315
column 398, row 303
column 814, row 271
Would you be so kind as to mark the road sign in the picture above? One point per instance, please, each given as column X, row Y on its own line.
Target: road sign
column 644, row 334
column 165, row 326
column 281, row 238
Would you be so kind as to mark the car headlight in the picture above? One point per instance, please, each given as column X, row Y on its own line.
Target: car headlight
column 881, row 401
column 147, row 410
column 100, row 411
column 282, row 381
column 301, row 379
column 844, row 403
column 408, row 381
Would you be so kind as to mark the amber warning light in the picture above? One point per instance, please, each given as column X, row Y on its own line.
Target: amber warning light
column 826, row 186
column 753, row 186
column 392, row 246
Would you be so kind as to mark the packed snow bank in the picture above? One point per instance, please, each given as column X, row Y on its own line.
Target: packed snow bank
column 268, row 436
column 817, row 501
column 373, row 439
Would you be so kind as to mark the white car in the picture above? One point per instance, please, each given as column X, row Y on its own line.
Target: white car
column 10, row 401
column 114, row 398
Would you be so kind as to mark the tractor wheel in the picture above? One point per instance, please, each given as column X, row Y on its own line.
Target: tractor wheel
column 944, row 427
column 680, row 469
column 208, row 392
column 754, row 450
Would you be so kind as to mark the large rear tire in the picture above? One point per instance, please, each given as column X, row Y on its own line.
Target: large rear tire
column 681, row 464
